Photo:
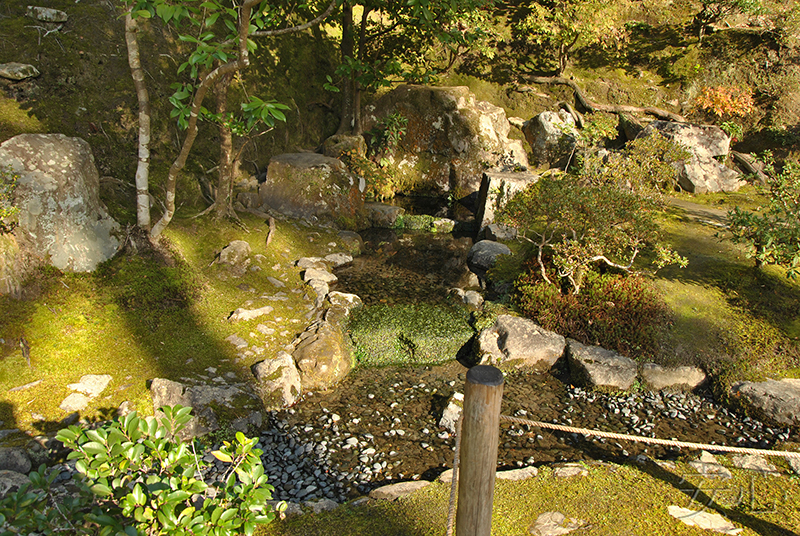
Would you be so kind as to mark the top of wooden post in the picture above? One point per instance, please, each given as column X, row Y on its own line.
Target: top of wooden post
column 485, row 375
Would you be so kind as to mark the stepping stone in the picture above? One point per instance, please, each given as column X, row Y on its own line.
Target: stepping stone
column 18, row 71
column 249, row 314
column 523, row 473
column 395, row 491
column 91, row 384
column 555, row 524
column 569, row 470
column 753, row 462
column 237, row 341
column 704, row 520
column 74, row 402
column 708, row 466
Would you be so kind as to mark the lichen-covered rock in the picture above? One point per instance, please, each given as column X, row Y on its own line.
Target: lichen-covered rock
column 11, row 481
column 593, row 366
column 14, row 459
column 521, row 343
column 701, row 173
column 322, row 356
column 382, row 215
column 61, row 219
column 552, row 137
column 47, row 14
column 451, row 138
column 278, row 381
column 313, row 187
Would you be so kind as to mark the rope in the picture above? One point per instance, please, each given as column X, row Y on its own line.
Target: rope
column 451, row 513
column 651, row 440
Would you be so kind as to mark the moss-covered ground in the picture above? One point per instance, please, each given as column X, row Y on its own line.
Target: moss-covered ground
column 613, row 500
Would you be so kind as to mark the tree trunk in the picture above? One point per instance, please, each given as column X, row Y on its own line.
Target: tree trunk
column 223, row 199
column 347, row 121
column 143, row 165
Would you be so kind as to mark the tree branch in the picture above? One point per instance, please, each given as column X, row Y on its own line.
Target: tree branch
column 300, row 28
column 593, row 106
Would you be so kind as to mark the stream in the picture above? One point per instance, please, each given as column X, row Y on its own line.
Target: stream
column 380, row 425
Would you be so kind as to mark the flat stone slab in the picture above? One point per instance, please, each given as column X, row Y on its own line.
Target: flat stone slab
column 657, row 377
column 555, row 524
column 708, row 466
column 520, row 342
column 47, row 14
column 249, row 314
column 237, row 341
column 593, row 366
column 753, row 462
column 395, row 491
column 523, row 473
column 569, row 470
column 776, row 401
column 91, row 384
column 315, row 274
column 322, row 505
column 74, row 402
column 704, row 520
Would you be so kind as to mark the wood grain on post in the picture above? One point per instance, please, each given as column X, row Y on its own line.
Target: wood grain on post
column 480, row 434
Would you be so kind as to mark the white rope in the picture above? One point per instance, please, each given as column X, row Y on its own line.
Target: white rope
column 651, row 440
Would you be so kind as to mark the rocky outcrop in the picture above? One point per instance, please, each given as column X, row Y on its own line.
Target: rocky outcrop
column 701, row 173
column 552, row 137
column 451, row 138
column 496, row 189
column 776, row 401
column 61, row 219
column 593, row 366
column 313, row 187
column 520, row 343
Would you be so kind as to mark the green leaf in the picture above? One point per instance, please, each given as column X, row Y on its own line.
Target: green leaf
column 143, row 13
column 94, row 448
column 221, row 456
column 101, row 490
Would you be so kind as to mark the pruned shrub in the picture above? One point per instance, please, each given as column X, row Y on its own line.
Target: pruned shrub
column 621, row 313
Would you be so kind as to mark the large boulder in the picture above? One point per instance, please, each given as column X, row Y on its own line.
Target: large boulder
column 483, row 255
column 593, row 366
column 61, row 219
column 775, row 401
column 552, row 137
column 323, row 355
column 521, row 343
column 450, row 140
column 206, row 402
column 701, row 173
column 278, row 381
column 496, row 189
column 312, row 187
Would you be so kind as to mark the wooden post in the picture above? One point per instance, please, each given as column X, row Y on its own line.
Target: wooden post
column 480, row 433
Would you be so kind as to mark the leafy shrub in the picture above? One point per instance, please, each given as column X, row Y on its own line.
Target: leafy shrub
column 408, row 334
column 625, row 314
column 725, row 101
column 139, row 478
column 773, row 233
column 380, row 185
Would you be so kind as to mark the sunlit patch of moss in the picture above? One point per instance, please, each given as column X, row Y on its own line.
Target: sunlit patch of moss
column 14, row 120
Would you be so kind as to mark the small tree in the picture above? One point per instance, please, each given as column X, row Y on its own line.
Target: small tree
column 561, row 26
column 714, row 11
column 773, row 232
column 603, row 214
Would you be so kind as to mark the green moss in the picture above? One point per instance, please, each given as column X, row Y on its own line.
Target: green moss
column 14, row 120
column 408, row 334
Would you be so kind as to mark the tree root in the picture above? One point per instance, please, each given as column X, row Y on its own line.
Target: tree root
column 595, row 107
